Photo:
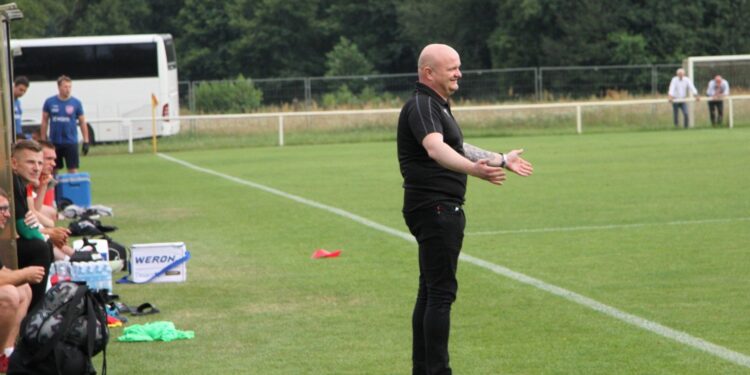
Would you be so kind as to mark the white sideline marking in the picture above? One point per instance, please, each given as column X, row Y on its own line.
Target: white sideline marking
column 604, row 227
column 672, row 334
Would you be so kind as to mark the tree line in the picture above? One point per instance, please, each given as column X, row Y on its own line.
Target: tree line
column 218, row 39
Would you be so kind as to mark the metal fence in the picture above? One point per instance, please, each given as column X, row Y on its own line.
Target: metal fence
column 477, row 86
column 518, row 118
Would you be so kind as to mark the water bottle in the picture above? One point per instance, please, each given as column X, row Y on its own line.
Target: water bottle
column 63, row 271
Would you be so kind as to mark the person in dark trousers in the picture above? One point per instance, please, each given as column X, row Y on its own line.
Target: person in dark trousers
column 60, row 114
column 15, row 293
column 718, row 88
column 32, row 247
column 435, row 162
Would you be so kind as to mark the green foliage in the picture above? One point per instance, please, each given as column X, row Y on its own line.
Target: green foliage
column 346, row 60
column 203, row 43
column 235, row 96
column 368, row 96
column 628, row 49
column 41, row 18
column 358, row 20
column 276, row 38
column 95, row 17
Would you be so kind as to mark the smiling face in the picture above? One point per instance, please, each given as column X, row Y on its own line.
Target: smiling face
column 28, row 164
column 439, row 68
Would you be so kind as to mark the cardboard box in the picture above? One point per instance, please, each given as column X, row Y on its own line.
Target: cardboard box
column 146, row 260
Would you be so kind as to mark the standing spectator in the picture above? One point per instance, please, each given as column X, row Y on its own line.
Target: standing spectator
column 20, row 85
column 678, row 89
column 718, row 88
column 63, row 111
column 434, row 163
column 15, row 293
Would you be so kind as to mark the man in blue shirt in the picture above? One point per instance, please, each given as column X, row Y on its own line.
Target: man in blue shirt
column 63, row 111
column 20, row 85
column 718, row 88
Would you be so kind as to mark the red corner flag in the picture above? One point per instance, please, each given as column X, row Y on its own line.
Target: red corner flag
column 323, row 253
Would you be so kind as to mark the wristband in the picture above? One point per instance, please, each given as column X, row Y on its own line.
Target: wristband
column 503, row 161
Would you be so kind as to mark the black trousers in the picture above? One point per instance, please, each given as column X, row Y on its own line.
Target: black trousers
column 439, row 231
column 716, row 111
column 35, row 253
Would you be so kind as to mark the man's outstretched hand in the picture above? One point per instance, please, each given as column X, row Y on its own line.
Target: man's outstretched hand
column 481, row 169
column 516, row 164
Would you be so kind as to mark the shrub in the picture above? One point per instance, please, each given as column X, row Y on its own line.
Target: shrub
column 237, row 96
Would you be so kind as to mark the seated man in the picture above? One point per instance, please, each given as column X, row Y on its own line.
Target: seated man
column 44, row 204
column 45, row 200
column 15, row 293
column 32, row 247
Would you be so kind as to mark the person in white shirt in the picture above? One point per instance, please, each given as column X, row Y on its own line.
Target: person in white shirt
column 678, row 89
column 718, row 88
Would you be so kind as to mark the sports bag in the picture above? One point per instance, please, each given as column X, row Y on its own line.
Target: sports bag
column 62, row 333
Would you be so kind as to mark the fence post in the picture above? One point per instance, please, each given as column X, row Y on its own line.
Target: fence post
column 308, row 94
column 579, row 120
column 540, row 84
column 731, row 113
column 191, row 96
column 654, row 79
column 536, row 83
column 281, row 130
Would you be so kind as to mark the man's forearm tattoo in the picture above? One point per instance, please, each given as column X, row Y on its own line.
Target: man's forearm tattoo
column 475, row 153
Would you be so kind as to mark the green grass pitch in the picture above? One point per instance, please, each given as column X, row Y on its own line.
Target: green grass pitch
column 654, row 224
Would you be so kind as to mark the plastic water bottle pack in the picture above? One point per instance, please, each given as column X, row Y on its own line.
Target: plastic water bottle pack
column 96, row 275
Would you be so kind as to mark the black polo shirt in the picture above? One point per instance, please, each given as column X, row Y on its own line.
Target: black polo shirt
column 425, row 181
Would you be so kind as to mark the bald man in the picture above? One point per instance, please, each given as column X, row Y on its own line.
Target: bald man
column 718, row 88
column 434, row 163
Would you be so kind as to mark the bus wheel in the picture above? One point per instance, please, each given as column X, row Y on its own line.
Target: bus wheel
column 92, row 137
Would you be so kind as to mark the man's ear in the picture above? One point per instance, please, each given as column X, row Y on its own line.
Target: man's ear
column 428, row 72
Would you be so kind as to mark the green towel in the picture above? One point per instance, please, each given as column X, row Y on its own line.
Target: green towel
column 164, row 331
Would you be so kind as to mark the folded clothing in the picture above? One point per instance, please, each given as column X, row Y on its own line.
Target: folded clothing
column 154, row 331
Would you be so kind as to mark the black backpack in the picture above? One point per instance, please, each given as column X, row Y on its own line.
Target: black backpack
column 62, row 333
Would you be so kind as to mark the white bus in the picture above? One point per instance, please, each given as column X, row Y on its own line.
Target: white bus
column 113, row 76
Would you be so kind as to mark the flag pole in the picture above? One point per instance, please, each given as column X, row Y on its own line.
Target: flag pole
column 154, row 104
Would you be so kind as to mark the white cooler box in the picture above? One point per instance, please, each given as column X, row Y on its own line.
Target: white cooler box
column 146, row 260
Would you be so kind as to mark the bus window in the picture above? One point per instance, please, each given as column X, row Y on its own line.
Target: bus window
column 126, row 60
column 88, row 61
column 171, row 55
